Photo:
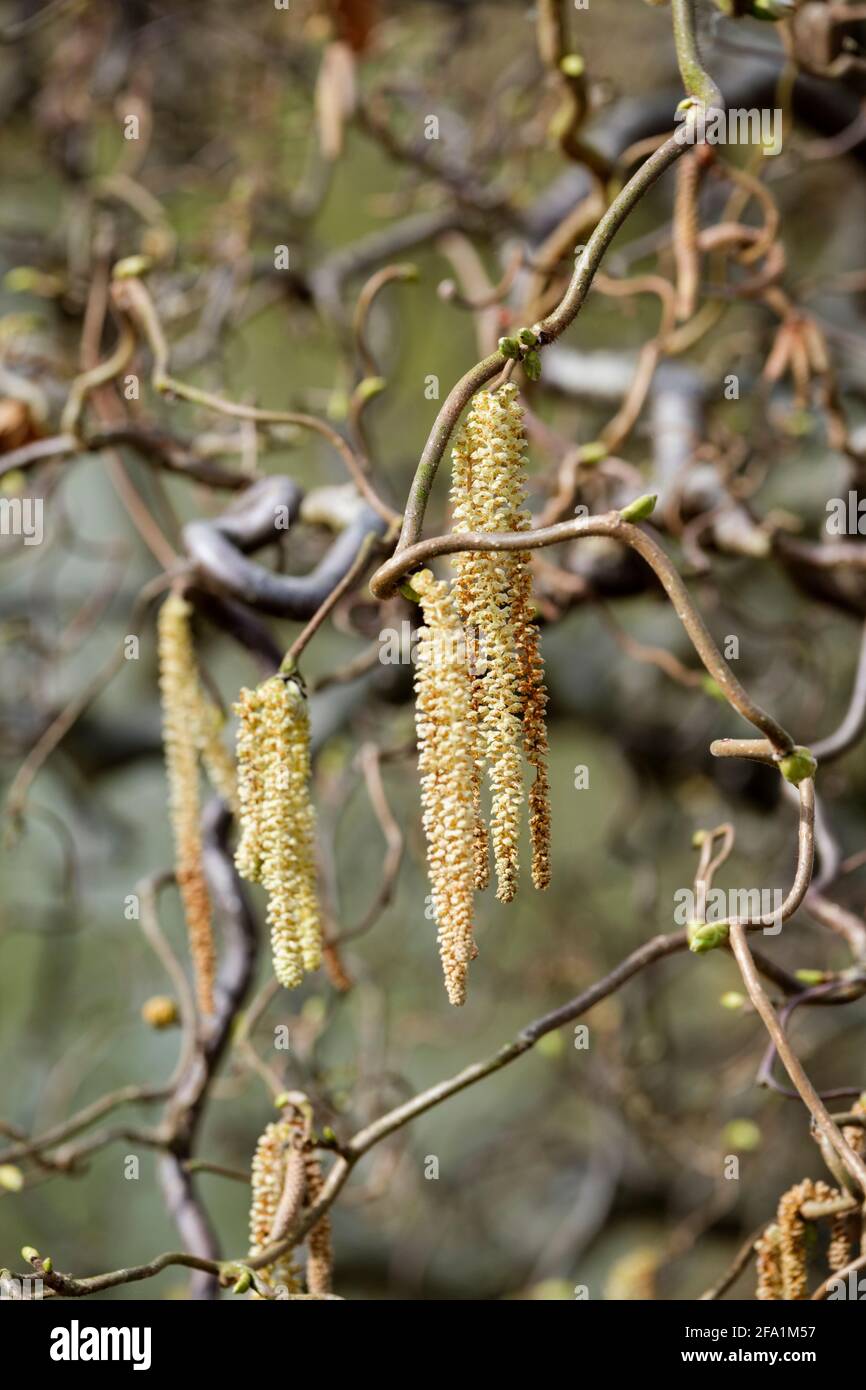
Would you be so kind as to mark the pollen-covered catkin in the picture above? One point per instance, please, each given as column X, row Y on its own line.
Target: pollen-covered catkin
column 445, row 729
column 494, row 596
column 469, row 584
column 268, row 1183
column 839, row 1251
column 769, row 1265
column 248, row 855
column 277, row 844
column 178, row 682
column 792, row 1234
column 320, row 1258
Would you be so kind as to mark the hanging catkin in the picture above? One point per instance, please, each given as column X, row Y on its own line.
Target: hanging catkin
column 178, row 680
column 769, row 1265
column 320, row 1259
column 792, row 1234
column 217, row 761
column 273, row 1151
column 469, row 586
column 444, row 724
column 278, row 822
column 839, row 1253
column 494, row 596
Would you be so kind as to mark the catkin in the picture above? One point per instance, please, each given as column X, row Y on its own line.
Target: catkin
column 273, row 1151
column 493, row 592
column 320, row 1259
column 839, row 1250
column 446, row 734
column 469, row 585
column 216, row 758
column 769, row 1266
column 792, row 1234
column 178, row 681
column 278, row 821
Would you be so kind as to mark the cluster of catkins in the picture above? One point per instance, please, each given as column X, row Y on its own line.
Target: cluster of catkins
column 191, row 733
column 277, row 842
column 286, row 1176
column 782, row 1249
column 480, row 695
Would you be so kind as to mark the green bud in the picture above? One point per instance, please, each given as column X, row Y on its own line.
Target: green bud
column 47, row 1264
column 593, row 452
column 532, row 365
column 371, row 386
column 21, row 279
column 640, row 508
column 11, row 1178
column 743, row 1135
column 509, row 347
column 328, row 1135
column 810, row 977
column 698, row 838
column 706, row 936
column 798, row 765
column 409, row 593
column 772, row 10
column 282, row 1100
column 551, row 1045
column 732, row 999
column 711, row 687
column 13, row 482
column 572, row 64
column 29, row 1254
column 243, row 1283
column 409, row 273
column 131, row 267
column 527, row 337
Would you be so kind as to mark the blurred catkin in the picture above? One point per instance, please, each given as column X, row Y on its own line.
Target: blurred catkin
column 445, row 729
column 273, row 1151
column 494, row 597
column 178, row 680
column 278, row 821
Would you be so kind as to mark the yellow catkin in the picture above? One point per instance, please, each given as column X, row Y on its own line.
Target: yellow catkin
column 248, row 855
column 443, row 717
column 769, row 1266
column 468, row 586
column 268, row 1183
column 494, row 596
column 277, row 845
column 792, row 1234
column 320, row 1258
column 178, row 681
